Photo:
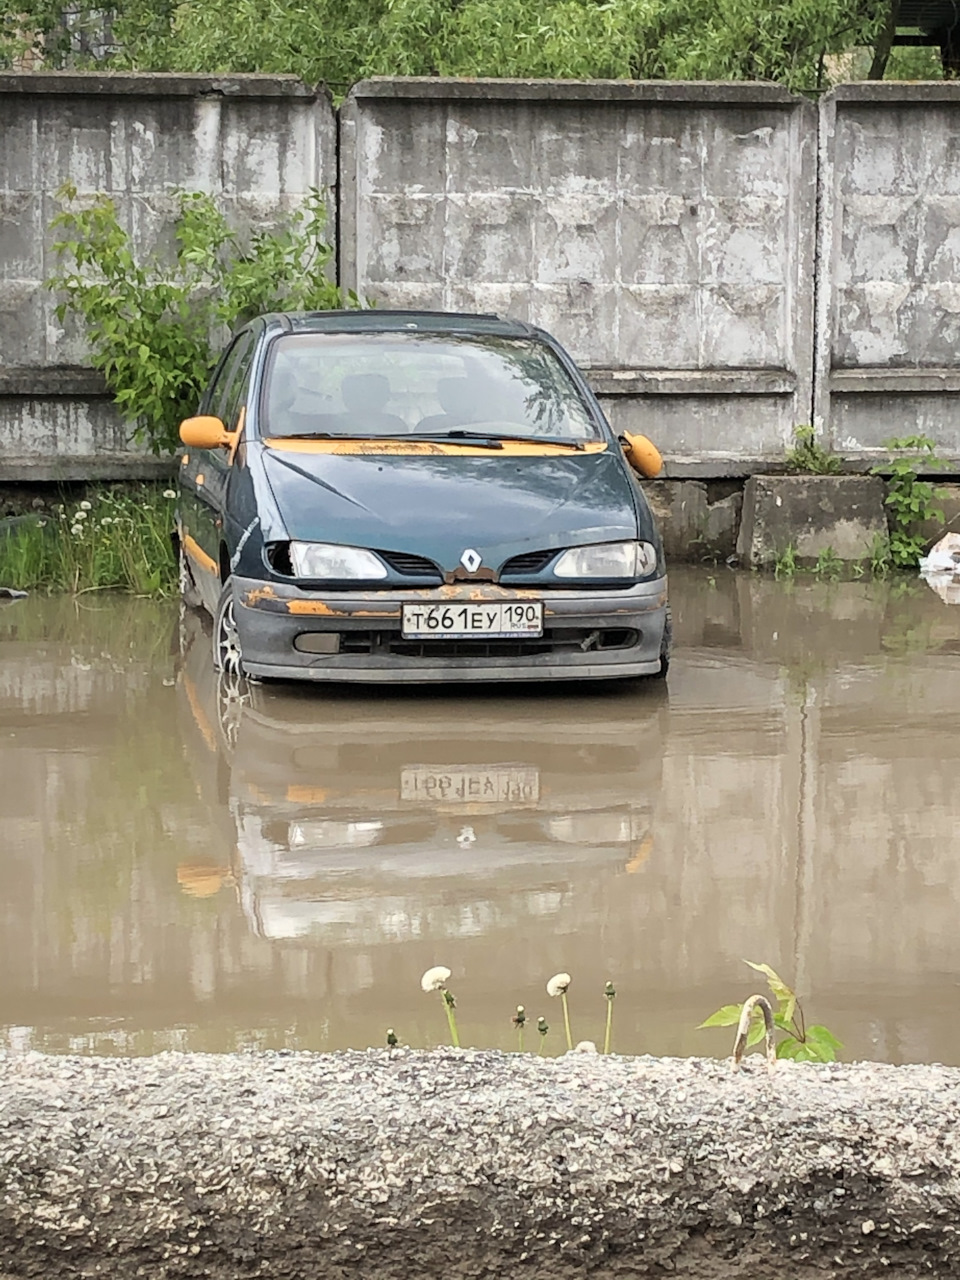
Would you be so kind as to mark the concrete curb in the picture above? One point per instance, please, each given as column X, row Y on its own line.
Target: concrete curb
column 415, row 1164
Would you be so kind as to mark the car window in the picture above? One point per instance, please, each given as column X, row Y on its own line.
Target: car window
column 220, row 393
column 391, row 384
column 235, row 391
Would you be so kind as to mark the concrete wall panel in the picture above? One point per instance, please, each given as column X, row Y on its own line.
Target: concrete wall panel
column 888, row 340
column 652, row 227
column 258, row 143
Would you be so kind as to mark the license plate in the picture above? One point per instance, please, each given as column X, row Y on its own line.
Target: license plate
column 508, row 784
column 461, row 621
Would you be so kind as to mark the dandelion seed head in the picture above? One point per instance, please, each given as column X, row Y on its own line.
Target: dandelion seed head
column 558, row 984
column 169, row 493
column 80, row 515
column 84, row 506
column 76, row 530
column 434, row 978
column 585, row 1046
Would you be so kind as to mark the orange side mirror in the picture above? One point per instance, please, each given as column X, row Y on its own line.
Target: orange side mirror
column 204, row 432
column 643, row 455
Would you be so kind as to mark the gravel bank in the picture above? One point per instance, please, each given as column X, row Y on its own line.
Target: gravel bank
column 465, row 1164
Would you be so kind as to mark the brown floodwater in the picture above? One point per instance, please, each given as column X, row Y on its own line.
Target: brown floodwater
column 191, row 866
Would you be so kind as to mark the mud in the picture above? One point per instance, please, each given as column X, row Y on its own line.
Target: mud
column 188, row 866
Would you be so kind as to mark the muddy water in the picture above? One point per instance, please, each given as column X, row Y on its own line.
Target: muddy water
column 184, row 865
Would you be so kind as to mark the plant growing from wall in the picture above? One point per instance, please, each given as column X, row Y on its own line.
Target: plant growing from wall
column 910, row 500
column 153, row 324
column 809, row 457
column 796, row 1040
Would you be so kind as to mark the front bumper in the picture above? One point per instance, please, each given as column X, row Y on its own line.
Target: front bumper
column 587, row 634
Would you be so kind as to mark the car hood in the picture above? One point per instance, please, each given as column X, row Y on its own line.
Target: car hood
column 438, row 505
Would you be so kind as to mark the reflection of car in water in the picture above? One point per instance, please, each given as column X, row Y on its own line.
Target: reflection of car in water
column 368, row 820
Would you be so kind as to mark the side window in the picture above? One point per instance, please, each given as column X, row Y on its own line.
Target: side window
column 213, row 395
column 235, row 392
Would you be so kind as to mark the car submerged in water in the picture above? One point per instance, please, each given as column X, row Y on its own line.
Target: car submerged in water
column 416, row 497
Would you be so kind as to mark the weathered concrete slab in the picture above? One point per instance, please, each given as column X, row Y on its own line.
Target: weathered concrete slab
column 663, row 231
column 258, row 143
column 888, row 264
column 697, row 520
column 844, row 514
column 474, row 1164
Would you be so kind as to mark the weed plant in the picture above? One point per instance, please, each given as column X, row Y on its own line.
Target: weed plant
column 118, row 540
column 911, row 501
column 808, row 456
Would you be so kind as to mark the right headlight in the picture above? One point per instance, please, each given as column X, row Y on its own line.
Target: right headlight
column 608, row 560
column 329, row 560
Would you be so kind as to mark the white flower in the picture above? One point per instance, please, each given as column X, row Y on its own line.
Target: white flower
column 84, row 506
column 558, row 984
column 434, row 979
column 81, row 514
column 76, row 530
column 169, row 493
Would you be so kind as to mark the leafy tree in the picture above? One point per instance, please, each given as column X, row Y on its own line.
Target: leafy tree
column 153, row 323
column 340, row 41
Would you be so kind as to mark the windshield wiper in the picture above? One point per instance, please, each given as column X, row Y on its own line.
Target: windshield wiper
column 493, row 440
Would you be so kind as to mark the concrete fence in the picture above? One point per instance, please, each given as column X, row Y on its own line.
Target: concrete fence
column 666, row 232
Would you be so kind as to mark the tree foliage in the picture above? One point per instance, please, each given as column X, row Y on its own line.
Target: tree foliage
column 341, row 41
column 153, row 323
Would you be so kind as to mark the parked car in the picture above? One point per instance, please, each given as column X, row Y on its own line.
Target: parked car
column 416, row 496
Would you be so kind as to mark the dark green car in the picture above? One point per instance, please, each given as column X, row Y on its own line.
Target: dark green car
column 416, row 496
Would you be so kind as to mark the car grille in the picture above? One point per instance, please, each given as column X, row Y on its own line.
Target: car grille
column 529, row 562
column 555, row 640
column 409, row 565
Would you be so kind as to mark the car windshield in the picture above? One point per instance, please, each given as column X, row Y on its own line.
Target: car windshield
column 398, row 384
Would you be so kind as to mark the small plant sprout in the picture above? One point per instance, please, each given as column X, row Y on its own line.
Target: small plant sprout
column 435, row 979
column 542, row 1028
column 610, row 992
column 756, row 1020
column 392, row 1040
column 557, row 986
column 750, row 1005
column 519, row 1021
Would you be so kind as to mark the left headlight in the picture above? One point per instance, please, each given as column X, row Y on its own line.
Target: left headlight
column 327, row 560
column 608, row 560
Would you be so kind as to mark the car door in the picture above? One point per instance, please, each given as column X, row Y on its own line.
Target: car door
column 205, row 471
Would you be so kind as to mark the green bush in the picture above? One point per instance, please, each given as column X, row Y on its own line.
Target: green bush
column 341, row 41
column 154, row 326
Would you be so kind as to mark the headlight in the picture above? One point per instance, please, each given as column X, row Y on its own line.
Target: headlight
column 608, row 560
column 327, row 560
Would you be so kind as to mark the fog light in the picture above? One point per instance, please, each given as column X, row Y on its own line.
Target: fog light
column 318, row 642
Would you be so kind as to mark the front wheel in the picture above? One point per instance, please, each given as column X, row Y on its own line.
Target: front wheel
column 226, row 639
column 665, row 646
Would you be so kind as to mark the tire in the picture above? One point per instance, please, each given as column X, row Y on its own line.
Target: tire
column 665, row 646
column 226, row 640
column 189, row 593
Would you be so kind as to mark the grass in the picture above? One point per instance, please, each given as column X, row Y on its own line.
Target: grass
column 117, row 539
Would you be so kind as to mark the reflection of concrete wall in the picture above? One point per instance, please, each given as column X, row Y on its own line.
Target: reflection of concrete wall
column 258, row 143
column 664, row 232
column 889, row 264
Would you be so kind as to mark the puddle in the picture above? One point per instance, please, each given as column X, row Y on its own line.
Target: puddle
column 193, row 866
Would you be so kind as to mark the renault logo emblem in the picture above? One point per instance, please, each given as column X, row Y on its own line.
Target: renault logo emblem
column 470, row 560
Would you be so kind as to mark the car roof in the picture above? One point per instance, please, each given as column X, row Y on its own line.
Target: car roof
column 374, row 320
